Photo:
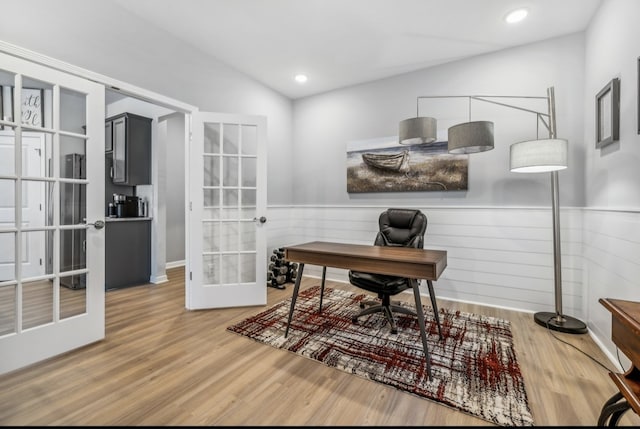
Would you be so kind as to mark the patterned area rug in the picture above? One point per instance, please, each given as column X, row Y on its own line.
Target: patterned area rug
column 474, row 368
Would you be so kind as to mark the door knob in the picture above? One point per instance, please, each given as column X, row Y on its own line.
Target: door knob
column 99, row 224
column 262, row 219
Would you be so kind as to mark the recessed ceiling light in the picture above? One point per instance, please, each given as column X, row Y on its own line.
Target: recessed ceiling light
column 301, row 78
column 516, row 16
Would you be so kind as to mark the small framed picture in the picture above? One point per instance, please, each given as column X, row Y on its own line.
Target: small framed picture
column 32, row 107
column 608, row 114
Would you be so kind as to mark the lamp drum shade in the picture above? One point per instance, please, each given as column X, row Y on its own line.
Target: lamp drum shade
column 418, row 130
column 471, row 137
column 539, row 156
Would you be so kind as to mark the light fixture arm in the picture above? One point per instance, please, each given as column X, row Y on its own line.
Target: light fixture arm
column 550, row 126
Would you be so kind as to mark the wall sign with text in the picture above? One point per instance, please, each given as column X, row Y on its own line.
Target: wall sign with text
column 32, row 107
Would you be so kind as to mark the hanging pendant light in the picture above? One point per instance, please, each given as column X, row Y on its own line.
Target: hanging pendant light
column 418, row 130
column 471, row 137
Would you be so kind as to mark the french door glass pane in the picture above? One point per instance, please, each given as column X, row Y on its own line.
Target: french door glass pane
column 7, row 309
column 211, row 170
column 230, row 198
column 7, row 82
column 7, row 259
column 7, row 203
column 73, row 300
column 211, row 138
column 73, row 111
column 229, row 241
column 34, row 257
column 37, row 303
column 248, row 268
column 211, row 269
column 73, row 205
column 7, row 151
column 36, row 154
column 230, row 171
column 249, row 172
column 248, row 201
column 249, row 140
column 230, row 268
column 36, row 197
column 35, row 111
column 230, row 140
column 247, row 236
column 73, row 157
column 211, row 198
column 210, row 240
column 72, row 250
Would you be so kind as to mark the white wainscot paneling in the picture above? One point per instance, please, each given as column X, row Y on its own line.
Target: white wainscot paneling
column 496, row 256
column 611, row 258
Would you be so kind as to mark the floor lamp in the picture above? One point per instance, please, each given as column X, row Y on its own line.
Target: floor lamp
column 532, row 156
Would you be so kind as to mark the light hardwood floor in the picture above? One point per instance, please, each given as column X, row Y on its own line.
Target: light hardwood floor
column 163, row 365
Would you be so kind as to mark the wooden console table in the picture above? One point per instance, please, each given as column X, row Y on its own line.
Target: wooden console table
column 625, row 333
column 394, row 261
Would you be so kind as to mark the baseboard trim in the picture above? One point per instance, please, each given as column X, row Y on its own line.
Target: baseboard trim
column 175, row 264
column 160, row 279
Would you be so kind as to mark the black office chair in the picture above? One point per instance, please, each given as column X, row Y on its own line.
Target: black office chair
column 398, row 227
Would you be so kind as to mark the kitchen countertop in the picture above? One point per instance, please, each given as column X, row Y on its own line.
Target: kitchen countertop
column 126, row 219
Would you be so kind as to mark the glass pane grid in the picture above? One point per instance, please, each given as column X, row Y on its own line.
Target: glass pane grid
column 53, row 123
column 230, row 205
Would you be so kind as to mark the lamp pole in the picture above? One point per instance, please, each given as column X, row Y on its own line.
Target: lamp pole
column 557, row 321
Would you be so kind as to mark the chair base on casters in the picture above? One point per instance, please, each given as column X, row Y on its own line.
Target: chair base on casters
column 386, row 307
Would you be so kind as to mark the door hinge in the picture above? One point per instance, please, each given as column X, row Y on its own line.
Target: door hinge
column 40, row 261
column 190, row 206
column 190, row 275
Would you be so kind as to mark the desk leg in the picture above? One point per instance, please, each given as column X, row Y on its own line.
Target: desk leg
column 293, row 298
column 613, row 410
column 434, row 305
column 324, row 275
column 423, row 334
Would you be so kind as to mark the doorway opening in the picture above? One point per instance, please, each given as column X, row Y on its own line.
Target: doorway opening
column 163, row 195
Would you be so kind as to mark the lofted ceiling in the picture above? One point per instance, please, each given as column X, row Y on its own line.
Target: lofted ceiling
column 338, row 43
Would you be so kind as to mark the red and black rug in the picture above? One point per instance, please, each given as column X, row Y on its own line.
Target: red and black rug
column 474, row 368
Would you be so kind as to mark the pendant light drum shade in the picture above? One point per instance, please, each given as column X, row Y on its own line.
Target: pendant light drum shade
column 418, row 130
column 471, row 137
column 539, row 156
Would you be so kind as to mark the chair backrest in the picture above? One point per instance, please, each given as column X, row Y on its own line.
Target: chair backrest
column 401, row 227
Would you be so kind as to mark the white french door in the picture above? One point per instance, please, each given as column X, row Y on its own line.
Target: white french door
column 226, row 261
column 52, row 261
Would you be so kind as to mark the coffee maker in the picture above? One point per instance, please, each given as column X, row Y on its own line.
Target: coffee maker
column 127, row 206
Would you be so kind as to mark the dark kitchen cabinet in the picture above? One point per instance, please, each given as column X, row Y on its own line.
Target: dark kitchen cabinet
column 129, row 136
column 127, row 252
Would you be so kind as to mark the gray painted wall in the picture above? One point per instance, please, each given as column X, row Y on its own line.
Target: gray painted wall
column 323, row 125
column 612, row 214
column 612, row 50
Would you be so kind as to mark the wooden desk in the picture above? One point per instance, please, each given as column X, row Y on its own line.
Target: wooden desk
column 396, row 261
column 625, row 333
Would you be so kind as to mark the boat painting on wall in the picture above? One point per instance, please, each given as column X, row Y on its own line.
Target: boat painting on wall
column 384, row 165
